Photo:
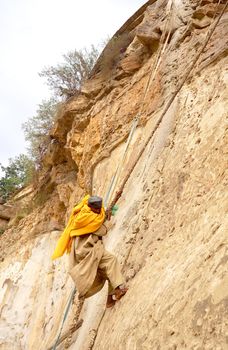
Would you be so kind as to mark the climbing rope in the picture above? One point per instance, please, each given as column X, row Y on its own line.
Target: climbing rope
column 116, row 176
column 64, row 317
column 162, row 48
column 208, row 36
column 153, row 70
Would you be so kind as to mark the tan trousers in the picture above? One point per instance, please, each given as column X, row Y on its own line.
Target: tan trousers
column 91, row 265
column 109, row 269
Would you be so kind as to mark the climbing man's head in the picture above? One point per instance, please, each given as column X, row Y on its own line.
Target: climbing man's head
column 95, row 203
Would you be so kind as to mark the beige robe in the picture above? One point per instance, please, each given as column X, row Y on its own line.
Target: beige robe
column 91, row 265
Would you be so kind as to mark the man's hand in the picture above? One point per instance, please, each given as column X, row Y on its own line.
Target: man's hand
column 112, row 205
column 108, row 214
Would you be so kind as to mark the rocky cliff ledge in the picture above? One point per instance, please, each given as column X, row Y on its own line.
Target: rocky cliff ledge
column 170, row 232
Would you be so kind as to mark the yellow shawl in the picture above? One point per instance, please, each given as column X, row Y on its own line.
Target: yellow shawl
column 82, row 221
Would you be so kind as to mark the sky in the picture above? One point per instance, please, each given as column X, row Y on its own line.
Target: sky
column 36, row 33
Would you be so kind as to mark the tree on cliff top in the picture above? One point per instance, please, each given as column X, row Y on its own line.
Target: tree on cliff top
column 66, row 78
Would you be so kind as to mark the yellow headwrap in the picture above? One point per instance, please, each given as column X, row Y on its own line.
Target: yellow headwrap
column 82, row 221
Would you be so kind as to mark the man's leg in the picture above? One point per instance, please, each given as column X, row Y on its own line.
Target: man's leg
column 109, row 267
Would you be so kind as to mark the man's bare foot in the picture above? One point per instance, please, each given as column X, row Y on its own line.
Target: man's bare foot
column 120, row 292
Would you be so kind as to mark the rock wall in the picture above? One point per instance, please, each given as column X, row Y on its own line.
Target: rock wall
column 170, row 232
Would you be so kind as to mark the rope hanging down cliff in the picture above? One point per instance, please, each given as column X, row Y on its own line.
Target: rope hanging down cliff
column 153, row 70
column 208, row 36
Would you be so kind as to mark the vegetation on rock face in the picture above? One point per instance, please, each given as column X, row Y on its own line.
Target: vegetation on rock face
column 65, row 79
column 37, row 128
column 17, row 174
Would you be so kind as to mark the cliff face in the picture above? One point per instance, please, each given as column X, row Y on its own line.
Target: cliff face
column 170, row 232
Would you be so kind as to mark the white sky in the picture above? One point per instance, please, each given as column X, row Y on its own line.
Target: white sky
column 34, row 34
